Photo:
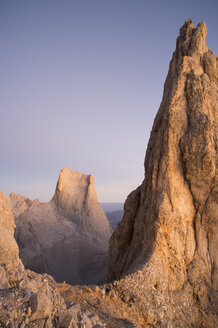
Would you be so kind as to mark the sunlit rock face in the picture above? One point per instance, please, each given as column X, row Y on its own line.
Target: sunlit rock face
column 67, row 237
column 164, row 252
column 167, row 240
column 11, row 267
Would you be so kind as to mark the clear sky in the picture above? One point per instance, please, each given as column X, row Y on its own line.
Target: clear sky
column 80, row 83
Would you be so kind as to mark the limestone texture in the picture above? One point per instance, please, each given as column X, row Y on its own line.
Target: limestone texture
column 11, row 267
column 27, row 299
column 67, row 237
column 165, row 249
column 163, row 254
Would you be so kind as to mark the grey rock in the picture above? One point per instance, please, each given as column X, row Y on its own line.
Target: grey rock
column 67, row 237
column 26, row 298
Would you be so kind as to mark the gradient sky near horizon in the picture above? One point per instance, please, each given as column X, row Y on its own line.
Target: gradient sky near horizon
column 81, row 82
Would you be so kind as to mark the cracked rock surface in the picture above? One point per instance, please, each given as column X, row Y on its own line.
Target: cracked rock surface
column 163, row 255
column 27, row 299
column 167, row 240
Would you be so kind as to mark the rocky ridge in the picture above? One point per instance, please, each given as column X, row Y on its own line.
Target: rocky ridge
column 26, row 298
column 67, row 237
column 163, row 253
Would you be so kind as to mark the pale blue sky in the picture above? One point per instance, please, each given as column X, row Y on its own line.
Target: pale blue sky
column 81, row 82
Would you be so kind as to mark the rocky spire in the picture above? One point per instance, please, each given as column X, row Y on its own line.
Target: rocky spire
column 73, row 189
column 76, row 198
column 169, row 228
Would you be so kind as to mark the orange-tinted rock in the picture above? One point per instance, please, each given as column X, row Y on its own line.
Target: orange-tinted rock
column 169, row 228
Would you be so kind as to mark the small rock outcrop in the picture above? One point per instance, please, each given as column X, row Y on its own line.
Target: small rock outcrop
column 67, row 237
column 167, row 241
column 11, row 267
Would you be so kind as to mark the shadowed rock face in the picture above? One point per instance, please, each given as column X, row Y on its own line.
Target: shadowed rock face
column 67, row 237
column 168, row 235
column 26, row 299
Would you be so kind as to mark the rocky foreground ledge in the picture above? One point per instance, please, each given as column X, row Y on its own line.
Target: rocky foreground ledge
column 163, row 263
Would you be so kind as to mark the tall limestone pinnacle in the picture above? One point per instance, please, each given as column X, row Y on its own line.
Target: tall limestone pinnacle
column 167, row 240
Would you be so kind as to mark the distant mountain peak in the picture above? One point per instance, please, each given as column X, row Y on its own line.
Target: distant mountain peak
column 69, row 178
column 71, row 226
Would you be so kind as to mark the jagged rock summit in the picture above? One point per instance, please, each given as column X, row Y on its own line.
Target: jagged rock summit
column 73, row 191
column 67, row 237
column 167, row 240
column 76, row 198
